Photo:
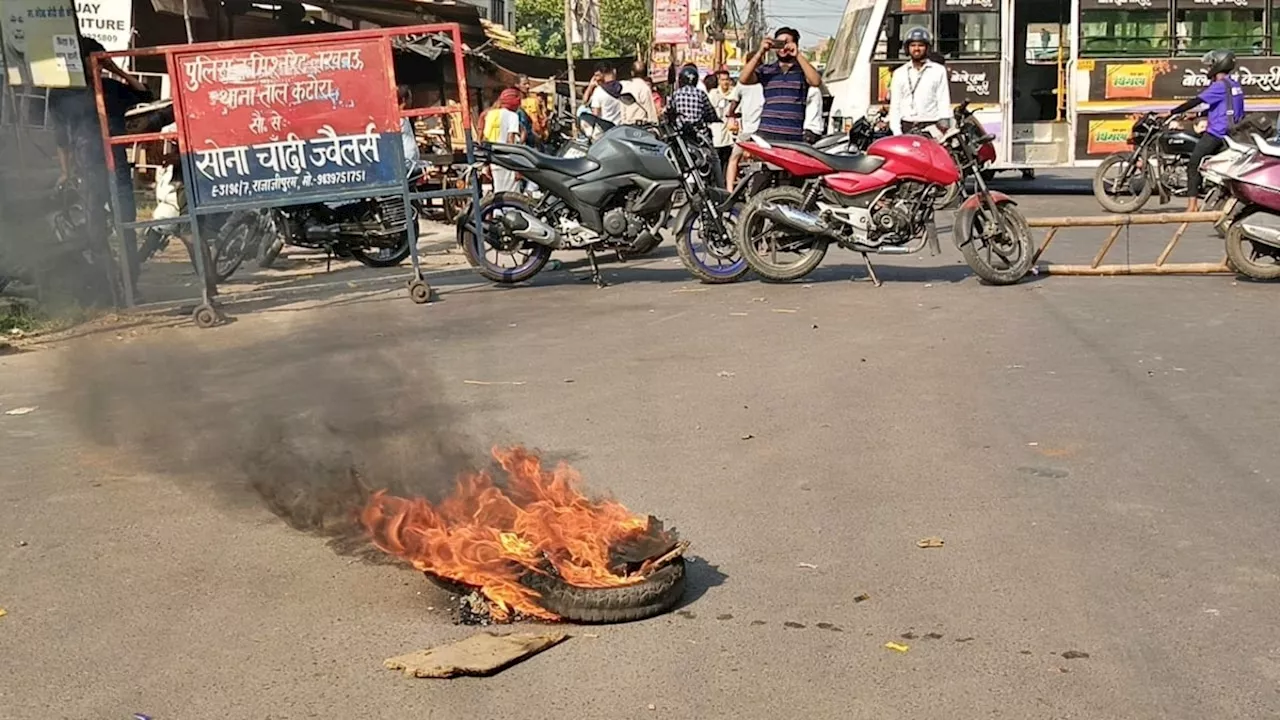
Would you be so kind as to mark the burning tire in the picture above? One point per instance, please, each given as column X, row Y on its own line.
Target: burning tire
column 657, row 594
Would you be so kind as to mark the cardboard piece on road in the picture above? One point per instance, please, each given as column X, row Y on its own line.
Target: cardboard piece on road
column 482, row 654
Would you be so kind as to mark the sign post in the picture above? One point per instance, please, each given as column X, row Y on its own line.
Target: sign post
column 294, row 121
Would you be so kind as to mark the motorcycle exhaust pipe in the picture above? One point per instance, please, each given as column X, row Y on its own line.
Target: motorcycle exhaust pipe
column 527, row 227
column 795, row 219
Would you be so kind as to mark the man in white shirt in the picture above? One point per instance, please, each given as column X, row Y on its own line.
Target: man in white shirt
column 637, row 86
column 603, row 93
column 745, row 106
column 920, row 91
column 721, row 96
column 813, row 127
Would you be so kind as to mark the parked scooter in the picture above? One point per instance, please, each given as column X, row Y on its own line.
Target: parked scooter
column 1251, row 217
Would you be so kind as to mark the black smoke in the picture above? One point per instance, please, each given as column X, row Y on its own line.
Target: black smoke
column 307, row 428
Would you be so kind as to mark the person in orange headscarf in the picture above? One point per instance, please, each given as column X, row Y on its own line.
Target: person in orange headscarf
column 503, row 126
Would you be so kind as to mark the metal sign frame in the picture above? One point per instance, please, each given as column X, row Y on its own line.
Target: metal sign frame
column 208, row 314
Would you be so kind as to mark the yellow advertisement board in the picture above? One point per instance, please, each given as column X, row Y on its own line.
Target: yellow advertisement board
column 41, row 47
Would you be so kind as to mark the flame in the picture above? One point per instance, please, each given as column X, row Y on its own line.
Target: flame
column 489, row 537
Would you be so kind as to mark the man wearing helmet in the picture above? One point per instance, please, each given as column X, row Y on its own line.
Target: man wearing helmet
column 919, row 93
column 693, row 108
column 1225, row 98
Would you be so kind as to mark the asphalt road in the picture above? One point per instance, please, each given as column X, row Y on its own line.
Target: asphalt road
column 1098, row 454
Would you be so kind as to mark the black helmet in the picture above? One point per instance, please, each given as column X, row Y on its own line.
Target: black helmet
column 689, row 76
column 918, row 34
column 1218, row 61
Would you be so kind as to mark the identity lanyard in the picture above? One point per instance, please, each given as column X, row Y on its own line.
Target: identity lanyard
column 913, row 85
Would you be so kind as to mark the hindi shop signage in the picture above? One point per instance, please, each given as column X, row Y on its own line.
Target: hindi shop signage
column 671, row 22
column 306, row 122
column 1141, row 80
column 1124, row 4
column 1098, row 136
column 974, row 80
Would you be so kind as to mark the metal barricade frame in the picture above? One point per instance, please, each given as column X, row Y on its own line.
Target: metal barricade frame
column 208, row 314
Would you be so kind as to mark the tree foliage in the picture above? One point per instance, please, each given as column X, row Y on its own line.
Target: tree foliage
column 626, row 27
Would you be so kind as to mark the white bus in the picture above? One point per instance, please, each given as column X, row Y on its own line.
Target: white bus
column 1058, row 83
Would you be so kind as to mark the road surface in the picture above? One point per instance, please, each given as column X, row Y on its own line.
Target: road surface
column 1099, row 456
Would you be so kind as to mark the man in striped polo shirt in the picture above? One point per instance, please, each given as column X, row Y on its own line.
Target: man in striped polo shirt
column 786, row 84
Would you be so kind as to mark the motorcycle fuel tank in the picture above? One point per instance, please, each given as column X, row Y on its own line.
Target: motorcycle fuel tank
column 626, row 149
column 1178, row 143
column 912, row 157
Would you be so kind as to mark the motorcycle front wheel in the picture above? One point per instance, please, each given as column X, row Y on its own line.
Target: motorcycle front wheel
column 1120, row 186
column 1002, row 256
column 485, row 253
column 1214, row 199
column 240, row 234
column 775, row 252
column 712, row 259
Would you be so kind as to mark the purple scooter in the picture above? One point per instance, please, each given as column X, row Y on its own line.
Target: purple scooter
column 1252, row 215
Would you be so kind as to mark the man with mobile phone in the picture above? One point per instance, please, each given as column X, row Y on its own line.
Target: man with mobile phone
column 786, row 84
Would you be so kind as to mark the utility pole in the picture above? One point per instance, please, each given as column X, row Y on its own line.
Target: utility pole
column 716, row 32
column 568, row 54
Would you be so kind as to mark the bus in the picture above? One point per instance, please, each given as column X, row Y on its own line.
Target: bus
column 1058, row 82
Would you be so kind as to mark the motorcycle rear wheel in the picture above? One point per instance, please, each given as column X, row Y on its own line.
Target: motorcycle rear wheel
column 1243, row 255
column 1015, row 244
column 754, row 231
column 948, row 197
column 477, row 248
column 1111, row 202
column 383, row 257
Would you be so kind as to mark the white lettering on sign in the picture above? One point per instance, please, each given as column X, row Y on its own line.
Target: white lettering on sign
column 988, row 4
column 110, row 22
column 1216, row 3
column 975, row 83
column 257, row 68
column 1126, row 3
column 291, row 154
column 1267, row 81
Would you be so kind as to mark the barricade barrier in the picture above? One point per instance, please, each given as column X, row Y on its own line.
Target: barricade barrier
column 1121, row 224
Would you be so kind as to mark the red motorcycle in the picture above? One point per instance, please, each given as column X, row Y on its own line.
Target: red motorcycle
column 880, row 202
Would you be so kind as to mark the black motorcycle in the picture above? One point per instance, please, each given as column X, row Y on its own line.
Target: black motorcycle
column 634, row 184
column 1158, row 163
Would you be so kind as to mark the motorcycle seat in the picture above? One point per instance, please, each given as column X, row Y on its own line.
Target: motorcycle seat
column 1266, row 147
column 542, row 161
column 861, row 163
column 830, row 141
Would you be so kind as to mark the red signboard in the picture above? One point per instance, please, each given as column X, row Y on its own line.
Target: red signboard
column 261, row 124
